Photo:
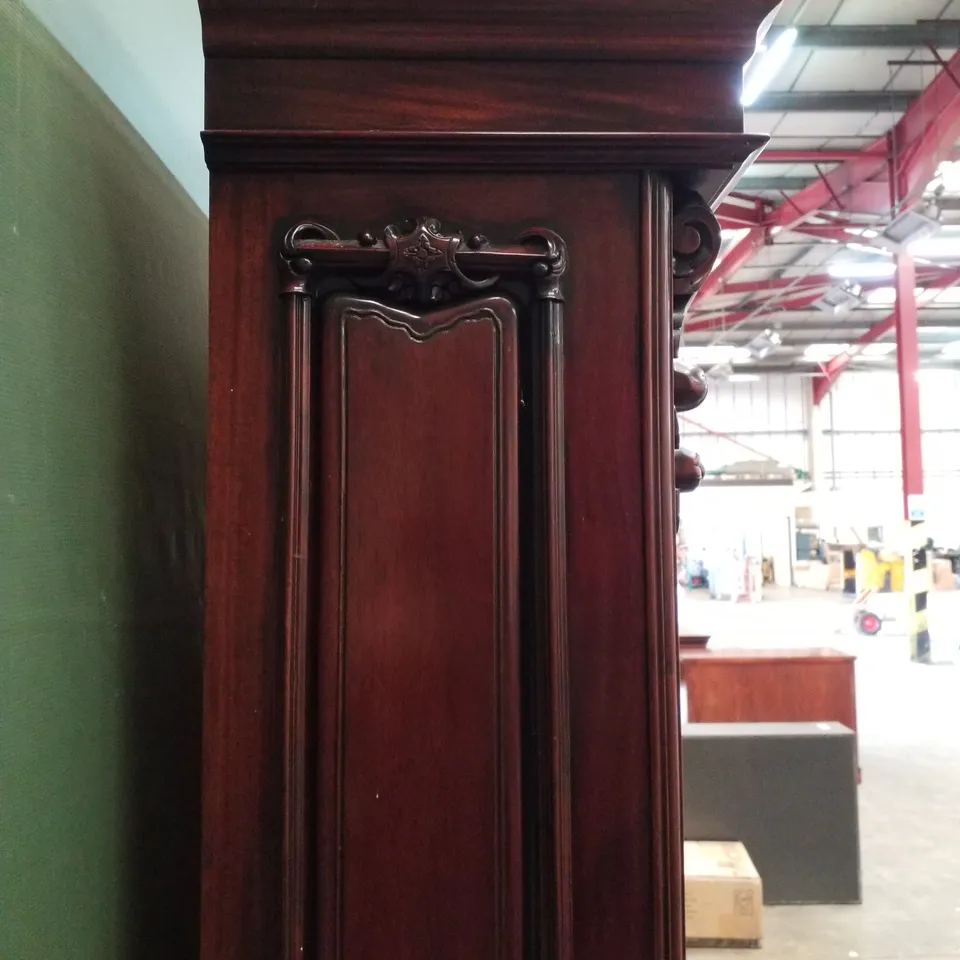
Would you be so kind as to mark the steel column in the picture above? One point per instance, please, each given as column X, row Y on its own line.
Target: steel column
column 908, row 357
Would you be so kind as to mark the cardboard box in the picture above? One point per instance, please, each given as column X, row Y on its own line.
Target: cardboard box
column 723, row 902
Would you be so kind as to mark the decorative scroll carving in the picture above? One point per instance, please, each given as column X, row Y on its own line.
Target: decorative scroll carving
column 417, row 262
column 696, row 245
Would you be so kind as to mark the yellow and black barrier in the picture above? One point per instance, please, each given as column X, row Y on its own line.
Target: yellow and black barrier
column 917, row 589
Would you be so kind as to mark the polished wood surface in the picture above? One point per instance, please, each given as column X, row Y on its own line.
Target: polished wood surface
column 449, row 260
column 419, row 632
column 756, row 686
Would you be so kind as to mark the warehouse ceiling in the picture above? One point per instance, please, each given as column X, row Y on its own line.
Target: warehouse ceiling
column 861, row 99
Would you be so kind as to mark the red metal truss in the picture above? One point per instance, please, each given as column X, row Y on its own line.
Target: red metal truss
column 800, row 293
column 907, row 280
column 927, row 276
column 833, row 369
column 924, row 136
column 740, row 252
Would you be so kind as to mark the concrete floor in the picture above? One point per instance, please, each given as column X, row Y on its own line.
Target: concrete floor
column 909, row 726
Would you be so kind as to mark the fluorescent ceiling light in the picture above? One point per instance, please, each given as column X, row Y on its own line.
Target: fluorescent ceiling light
column 950, row 295
column 743, row 377
column 952, row 350
column 822, row 352
column 732, row 236
column 839, row 299
column 936, row 373
column 876, row 351
column 887, row 296
column 863, row 270
column 911, row 227
column 948, row 173
column 937, row 248
column 765, row 65
column 866, row 248
column 718, row 353
column 762, row 345
column 882, row 296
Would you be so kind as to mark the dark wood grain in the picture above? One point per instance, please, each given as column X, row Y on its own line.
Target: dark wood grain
column 244, row 669
column 419, row 635
column 655, row 383
column 296, row 622
column 311, row 95
column 759, row 686
column 655, row 29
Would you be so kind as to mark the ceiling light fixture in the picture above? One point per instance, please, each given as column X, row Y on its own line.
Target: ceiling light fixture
column 717, row 353
column 948, row 173
column 764, row 66
column 762, row 345
column 823, row 352
column 743, row 377
column 840, row 299
column 887, row 296
column 910, row 227
column 876, row 351
column 862, row 270
column 944, row 247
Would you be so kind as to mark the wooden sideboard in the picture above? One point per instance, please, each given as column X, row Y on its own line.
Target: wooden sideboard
column 450, row 253
column 758, row 686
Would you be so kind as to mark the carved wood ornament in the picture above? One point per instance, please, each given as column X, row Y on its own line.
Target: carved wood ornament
column 696, row 246
column 424, row 284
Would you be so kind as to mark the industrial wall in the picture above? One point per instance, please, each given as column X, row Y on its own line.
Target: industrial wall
column 849, row 445
column 103, row 356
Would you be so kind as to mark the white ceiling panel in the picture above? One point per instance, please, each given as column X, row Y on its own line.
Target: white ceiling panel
column 791, row 70
column 777, row 255
column 849, row 70
column 818, row 255
column 846, row 143
column 755, row 273
column 858, row 12
column 767, row 170
column 920, row 76
column 797, row 143
column 834, row 124
column 760, row 121
column 809, row 170
column 879, row 124
column 813, row 13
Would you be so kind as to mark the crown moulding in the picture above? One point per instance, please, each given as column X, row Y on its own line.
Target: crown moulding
column 602, row 30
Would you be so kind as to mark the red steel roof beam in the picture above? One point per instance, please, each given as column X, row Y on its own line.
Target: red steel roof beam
column 740, row 252
column 833, row 369
column 930, row 129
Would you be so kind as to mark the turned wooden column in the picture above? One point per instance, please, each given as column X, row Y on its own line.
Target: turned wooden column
column 449, row 259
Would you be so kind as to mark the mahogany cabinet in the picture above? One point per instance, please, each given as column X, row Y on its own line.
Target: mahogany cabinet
column 450, row 251
column 770, row 686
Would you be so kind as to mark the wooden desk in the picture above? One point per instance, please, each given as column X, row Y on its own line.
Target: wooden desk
column 769, row 686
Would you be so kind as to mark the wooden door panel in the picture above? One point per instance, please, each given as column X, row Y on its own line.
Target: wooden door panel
column 418, row 632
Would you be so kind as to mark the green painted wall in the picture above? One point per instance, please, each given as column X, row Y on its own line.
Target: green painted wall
column 102, row 405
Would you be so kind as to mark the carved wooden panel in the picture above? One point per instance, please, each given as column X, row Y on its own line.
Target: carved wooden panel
column 419, row 631
column 418, row 820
